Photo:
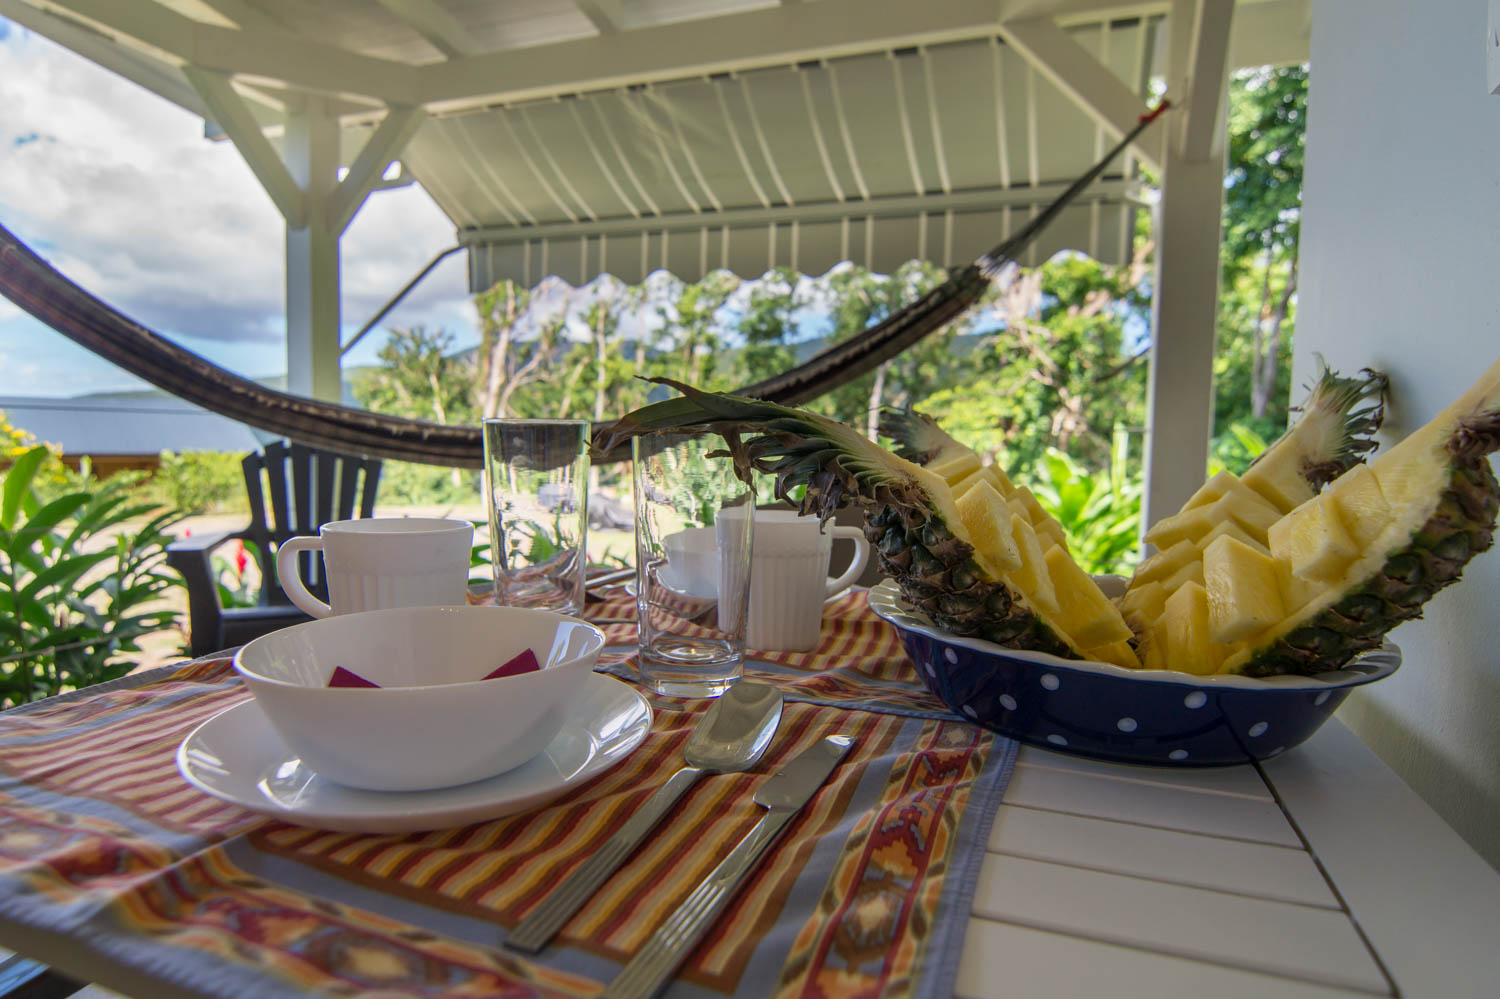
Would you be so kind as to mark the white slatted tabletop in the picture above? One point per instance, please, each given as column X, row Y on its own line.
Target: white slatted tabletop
column 1319, row 874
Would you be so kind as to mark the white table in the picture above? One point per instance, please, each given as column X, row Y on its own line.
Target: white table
column 1320, row 874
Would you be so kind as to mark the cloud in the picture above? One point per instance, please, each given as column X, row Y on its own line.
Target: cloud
column 119, row 190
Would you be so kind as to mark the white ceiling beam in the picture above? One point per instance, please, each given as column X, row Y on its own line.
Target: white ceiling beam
column 233, row 116
column 365, row 172
column 1201, row 123
column 1086, row 81
column 274, row 56
column 607, row 16
column 440, row 28
column 730, row 43
column 164, row 81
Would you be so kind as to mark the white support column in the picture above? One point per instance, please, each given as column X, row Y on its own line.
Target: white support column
column 312, row 256
column 1185, row 302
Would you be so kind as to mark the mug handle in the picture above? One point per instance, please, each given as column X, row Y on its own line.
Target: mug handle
column 861, row 556
column 291, row 580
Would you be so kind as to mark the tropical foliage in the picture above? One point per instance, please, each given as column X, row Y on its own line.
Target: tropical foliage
column 81, row 579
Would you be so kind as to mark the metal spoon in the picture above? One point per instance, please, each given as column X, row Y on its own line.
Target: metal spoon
column 730, row 738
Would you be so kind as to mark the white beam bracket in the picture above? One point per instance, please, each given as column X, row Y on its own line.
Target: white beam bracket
column 234, row 117
column 1090, row 84
column 365, row 172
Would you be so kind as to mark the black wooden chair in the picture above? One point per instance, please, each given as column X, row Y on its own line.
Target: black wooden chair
column 301, row 489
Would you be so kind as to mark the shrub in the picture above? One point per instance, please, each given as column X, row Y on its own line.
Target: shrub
column 200, row 481
column 1101, row 513
column 76, row 583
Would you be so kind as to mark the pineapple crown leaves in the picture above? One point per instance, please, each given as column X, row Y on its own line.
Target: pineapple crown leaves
column 1338, row 422
column 834, row 461
column 918, row 437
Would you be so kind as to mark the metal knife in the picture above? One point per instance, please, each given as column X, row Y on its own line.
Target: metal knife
column 783, row 796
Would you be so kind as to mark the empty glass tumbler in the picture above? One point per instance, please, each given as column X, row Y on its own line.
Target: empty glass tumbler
column 536, row 488
column 692, row 537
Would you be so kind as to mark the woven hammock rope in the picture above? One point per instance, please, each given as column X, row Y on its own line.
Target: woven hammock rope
column 39, row 288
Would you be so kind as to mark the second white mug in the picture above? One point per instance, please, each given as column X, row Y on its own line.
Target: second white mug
column 377, row 563
column 789, row 581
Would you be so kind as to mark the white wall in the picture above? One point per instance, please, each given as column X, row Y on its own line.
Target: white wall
column 1401, row 272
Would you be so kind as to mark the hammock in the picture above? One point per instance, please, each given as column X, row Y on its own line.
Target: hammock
column 36, row 286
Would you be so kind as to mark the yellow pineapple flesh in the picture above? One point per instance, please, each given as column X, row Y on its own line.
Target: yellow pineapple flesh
column 1362, row 504
column 1313, row 540
column 1244, row 590
column 986, row 517
column 1032, row 577
column 1164, row 564
column 1084, row 612
column 1183, row 633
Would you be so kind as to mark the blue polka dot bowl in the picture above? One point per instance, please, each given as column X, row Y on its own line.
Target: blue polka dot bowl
column 1107, row 712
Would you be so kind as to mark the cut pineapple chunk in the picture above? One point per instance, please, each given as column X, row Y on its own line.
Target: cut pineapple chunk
column 1032, row 578
column 1192, row 572
column 1046, row 525
column 968, row 482
column 1365, row 511
column 1086, row 614
column 1166, row 563
column 1235, row 531
column 1282, row 484
column 1000, row 479
column 987, row 519
column 1119, row 653
column 1243, row 589
column 1142, row 605
column 1183, row 634
column 1250, row 511
column 1313, row 541
column 953, row 467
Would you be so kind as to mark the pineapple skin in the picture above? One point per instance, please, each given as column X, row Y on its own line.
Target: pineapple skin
column 1461, row 527
column 936, row 573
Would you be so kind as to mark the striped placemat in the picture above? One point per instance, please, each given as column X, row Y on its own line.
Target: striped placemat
column 868, row 893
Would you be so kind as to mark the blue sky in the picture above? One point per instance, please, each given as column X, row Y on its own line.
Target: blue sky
column 118, row 189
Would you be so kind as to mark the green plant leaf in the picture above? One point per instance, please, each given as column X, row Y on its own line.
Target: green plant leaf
column 18, row 484
column 63, row 573
column 49, row 516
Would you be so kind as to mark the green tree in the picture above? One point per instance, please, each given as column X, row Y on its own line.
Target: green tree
column 690, row 344
column 421, row 377
column 1052, row 370
column 768, row 328
column 1262, row 226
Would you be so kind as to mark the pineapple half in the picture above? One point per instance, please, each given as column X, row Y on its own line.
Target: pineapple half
column 1025, row 544
column 1368, row 552
column 1233, row 517
column 966, row 584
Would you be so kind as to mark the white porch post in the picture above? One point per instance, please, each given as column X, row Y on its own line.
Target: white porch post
column 1185, row 302
column 311, row 151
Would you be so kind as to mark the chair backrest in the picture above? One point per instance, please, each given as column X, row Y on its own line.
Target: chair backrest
column 295, row 489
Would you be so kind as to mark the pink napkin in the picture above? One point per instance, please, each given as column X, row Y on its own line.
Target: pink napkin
column 525, row 662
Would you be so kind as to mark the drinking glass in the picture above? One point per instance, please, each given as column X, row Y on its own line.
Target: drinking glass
column 536, row 488
column 693, row 527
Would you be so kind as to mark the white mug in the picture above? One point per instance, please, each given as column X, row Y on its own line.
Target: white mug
column 377, row 563
column 789, row 580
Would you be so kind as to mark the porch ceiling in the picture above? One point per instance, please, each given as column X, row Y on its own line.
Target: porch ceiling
column 576, row 137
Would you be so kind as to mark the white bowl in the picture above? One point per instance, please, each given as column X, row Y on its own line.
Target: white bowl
column 432, row 722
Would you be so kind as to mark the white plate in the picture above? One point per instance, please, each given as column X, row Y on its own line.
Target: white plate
column 237, row 756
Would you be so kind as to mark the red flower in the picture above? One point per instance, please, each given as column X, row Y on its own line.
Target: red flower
column 240, row 558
